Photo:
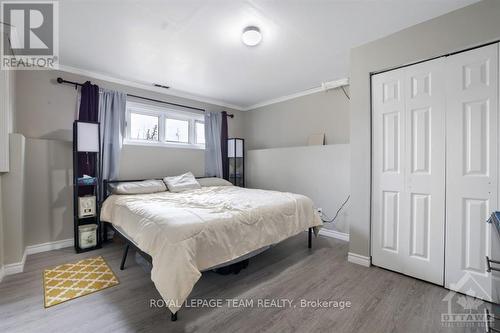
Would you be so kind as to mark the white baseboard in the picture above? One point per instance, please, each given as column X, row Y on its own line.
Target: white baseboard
column 44, row 247
column 359, row 259
column 18, row 267
column 334, row 234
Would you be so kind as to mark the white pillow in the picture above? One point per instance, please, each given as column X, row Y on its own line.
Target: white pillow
column 213, row 181
column 140, row 187
column 181, row 183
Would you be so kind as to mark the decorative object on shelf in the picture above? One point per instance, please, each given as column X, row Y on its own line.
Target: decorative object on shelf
column 87, row 180
column 236, row 160
column 317, row 139
column 86, row 206
column 86, row 187
column 88, row 235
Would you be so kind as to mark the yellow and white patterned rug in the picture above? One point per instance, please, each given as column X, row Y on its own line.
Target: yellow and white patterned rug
column 69, row 281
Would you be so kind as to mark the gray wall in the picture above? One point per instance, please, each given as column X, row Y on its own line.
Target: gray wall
column 2, row 250
column 289, row 123
column 466, row 27
column 3, row 235
column 319, row 172
column 271, row 131
column 45, row 112
column 49, row 197
column 13, row 197
column 1, row 232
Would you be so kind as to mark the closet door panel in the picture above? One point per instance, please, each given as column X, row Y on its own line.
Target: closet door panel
column 425, row 174
column 388, row 180
column 472, row 168
column 408, row 171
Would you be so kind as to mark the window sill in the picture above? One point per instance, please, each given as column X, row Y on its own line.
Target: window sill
column 129, row 142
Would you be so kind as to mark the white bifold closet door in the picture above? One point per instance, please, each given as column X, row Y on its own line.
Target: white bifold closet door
column 408, row 193
column 472, row 171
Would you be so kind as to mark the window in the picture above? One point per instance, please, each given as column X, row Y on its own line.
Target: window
column 176, row 130
column 161, row 126
column 143, row 127
column 200, row 132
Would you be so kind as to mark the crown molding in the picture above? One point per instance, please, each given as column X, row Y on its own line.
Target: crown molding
column 193, row 97
column 325, row 86
column 283, row 98
column 144, row 86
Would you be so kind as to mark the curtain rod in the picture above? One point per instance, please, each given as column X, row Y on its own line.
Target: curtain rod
column 76, row 84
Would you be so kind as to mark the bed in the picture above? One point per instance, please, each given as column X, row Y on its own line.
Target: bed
column 183, row 234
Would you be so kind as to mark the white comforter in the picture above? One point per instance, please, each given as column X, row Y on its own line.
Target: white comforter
column 188, row 232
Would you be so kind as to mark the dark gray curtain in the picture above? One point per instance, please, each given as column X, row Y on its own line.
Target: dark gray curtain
column 88, row 111
column 89, row 102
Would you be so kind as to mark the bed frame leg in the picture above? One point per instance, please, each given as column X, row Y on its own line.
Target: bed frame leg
column 125, row 252
column 309, row 238
column 173, row 316
column 104, row 232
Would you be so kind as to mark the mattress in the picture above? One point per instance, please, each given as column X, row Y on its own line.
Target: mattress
column 189, row 232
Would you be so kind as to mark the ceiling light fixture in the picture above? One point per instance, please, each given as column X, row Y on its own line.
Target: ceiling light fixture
column 251, row 36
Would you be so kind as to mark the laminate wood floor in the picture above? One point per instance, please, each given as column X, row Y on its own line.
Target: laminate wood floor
column 381, row 301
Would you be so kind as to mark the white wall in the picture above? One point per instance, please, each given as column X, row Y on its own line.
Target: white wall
column 319, row 172
column 458, row 30
column 139, row 162
column 290, row 123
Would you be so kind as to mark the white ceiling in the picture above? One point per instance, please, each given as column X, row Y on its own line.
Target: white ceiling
column 195, row 46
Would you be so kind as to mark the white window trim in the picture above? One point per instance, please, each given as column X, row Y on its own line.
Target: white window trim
column 162, row 113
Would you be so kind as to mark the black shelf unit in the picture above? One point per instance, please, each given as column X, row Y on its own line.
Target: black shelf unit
column 236, row 161
column 81, row 189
